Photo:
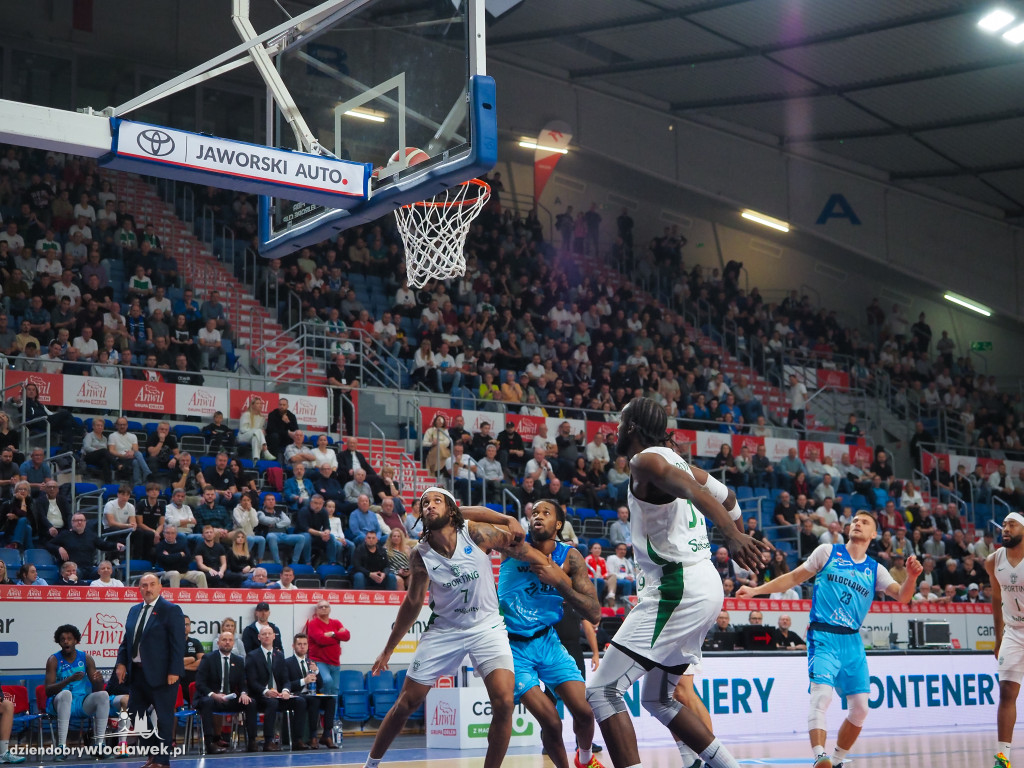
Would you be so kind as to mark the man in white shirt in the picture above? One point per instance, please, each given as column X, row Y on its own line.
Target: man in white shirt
column 832, row 535
column 159, row 301
column 287, row 580
column 66, row 287
column 14, row 241
column 52, row 362
column 596, row 449
column 124, row 449
column 86, row 344
column 925, row 594
column 624, row 570
column 491, row 472
column 463, row 470
column 179, row 514
column 541, row 441
column 825, row 489
column 211, row 348
column 539, row 468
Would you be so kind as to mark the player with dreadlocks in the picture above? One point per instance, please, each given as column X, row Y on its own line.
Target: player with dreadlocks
column 452, row 558
column 680, row 592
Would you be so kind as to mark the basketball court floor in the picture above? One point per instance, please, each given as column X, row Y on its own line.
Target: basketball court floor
column 895, row 748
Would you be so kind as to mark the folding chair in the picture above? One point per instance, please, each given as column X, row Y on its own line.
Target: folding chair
column 23, row 717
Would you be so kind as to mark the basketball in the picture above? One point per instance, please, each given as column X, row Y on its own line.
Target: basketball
column 413, row 155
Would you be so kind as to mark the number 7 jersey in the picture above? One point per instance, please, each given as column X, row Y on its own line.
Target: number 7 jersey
column 462, row 590
column 666, row 535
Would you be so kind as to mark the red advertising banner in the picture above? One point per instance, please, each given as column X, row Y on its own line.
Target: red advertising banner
column 240, row 399
column 835, row 379
column 50, row 385
column 861, row 452
column 806, row 445
column 606, row 428
column 148, row 396
column 751, row 441
column 527, row 426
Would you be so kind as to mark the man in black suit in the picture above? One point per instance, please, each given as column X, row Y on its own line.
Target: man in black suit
column 214, row 694
column 51, row 512
column 281, row 424
column 79, row 544
column 251, row 634
column 267, row 677
column 303, row 672
column 350, row 459
column 152, row 658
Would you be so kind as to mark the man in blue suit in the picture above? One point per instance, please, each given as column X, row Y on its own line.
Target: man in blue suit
column 151, row 658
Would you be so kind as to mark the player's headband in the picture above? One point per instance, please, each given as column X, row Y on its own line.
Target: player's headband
column 1017, row 517
column 436, row 489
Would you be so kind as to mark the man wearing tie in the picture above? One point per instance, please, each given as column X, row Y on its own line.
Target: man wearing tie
column 267, row 675
column 303, row 672
column 152, row 658
column 220, row 687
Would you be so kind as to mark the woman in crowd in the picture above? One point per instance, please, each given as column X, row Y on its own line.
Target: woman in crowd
column 325, row 638
column 16, row 518
column 5, row 580
column 414, row 521
column 245, row 481
column 385, row 486
column 27, row 576
column 10, row 438
column 399, row 548
column 438, row 445
column 252, row 430
column 911, row 501
column 246, row 519
column 182, row 341
column 240, row 562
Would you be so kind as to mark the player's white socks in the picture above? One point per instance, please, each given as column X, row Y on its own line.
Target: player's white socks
column 819, row 751
column 4, row 746
column 585, row 754
column 688, row 755
column 372, row 762
column 838, row 755
column 717, row 756
column 1004, row 747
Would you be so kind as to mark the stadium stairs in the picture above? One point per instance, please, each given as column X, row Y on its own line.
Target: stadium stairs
column 253, row 325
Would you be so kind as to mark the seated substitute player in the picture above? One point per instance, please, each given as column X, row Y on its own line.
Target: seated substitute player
column 846, row 583
column 531, row 594
column 452, row 559
column 680, row 593
column 74, row 687
column 1005, row 569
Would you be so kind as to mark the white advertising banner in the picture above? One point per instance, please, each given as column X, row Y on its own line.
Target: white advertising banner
column 460, row 718
column 91, row 392
column 200, row 401
column 768, row 694
column 309, row 410
column 29, row 615
column 250, row 167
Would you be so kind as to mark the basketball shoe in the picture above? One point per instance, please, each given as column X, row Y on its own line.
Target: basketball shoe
column 1002, row 761
column 594, row 762
column 822, row 761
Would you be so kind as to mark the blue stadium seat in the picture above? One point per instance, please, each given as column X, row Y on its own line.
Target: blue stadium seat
column 744, row 492
column 583, row 513
column 39, row 558
column 273, row 570
column 12, row 559
column 608, row 515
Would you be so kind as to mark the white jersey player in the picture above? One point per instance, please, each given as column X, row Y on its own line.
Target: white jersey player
column 680, row 592
column 452, row 559
column 1005, row 568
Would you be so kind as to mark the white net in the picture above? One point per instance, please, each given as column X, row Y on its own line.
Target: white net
column 434, row 231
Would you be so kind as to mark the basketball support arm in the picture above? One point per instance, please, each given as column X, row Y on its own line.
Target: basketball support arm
column 88, row 131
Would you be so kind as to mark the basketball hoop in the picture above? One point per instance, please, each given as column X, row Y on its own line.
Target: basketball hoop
column 434, row 231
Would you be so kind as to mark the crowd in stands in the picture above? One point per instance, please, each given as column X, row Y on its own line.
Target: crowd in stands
column 86, row 288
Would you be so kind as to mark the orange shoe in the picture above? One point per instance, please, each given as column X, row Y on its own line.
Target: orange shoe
column 594, row 762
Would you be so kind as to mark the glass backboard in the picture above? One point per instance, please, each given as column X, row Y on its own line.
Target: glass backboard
column 385, row 79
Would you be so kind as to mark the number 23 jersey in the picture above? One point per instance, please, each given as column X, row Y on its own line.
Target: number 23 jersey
column 844, row 588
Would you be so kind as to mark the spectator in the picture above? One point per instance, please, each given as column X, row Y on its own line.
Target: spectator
column 511, row 451
column 246, row 519
column 790, row 466
column 119, row 512
column 324, row 454
column 218, row 435
column 624, row 570
column 281, row 423
column 399, row 549
column 36, row 470
column 539, row 468
column 351, row 459
column 79, row 544
column 597, row 568
column 619, row 531
column 211, row 513
column 161, row 449
column 463, row 471
column 275, row 523
column 362, row 520
column 298, row 452
column 327, row 485
column 370, row 565
column 251, row 430
column 125, row 454
column 354, row 488
column 211, row 557
column 298, row 489
column 763, row 470
column 314, row 520
column 19, row 520
column 438, row 444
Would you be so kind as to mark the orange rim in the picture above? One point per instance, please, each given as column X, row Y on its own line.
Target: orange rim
column 484, row 189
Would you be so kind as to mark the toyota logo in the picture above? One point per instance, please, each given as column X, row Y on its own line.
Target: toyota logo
column 155, row 142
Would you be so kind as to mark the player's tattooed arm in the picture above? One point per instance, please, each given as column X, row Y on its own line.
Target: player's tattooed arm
column 583, row 596
column 488, row 537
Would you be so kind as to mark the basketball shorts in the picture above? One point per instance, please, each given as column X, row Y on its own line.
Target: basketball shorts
column 542, row 660
column 838, row 661
column 1011, row 656
column 440, row 652
column 670, row 632
column 76, row 707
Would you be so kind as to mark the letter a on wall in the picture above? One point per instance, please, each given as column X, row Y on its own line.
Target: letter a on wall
column 838, row 207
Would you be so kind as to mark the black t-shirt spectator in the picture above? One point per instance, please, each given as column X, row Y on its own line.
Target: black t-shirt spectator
column 788, row 513
column 172, row 557
column 218, row 436
column 167, row 452
column 791, row 640
column 191, row 484
column 211, row 554
column 220, row 481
